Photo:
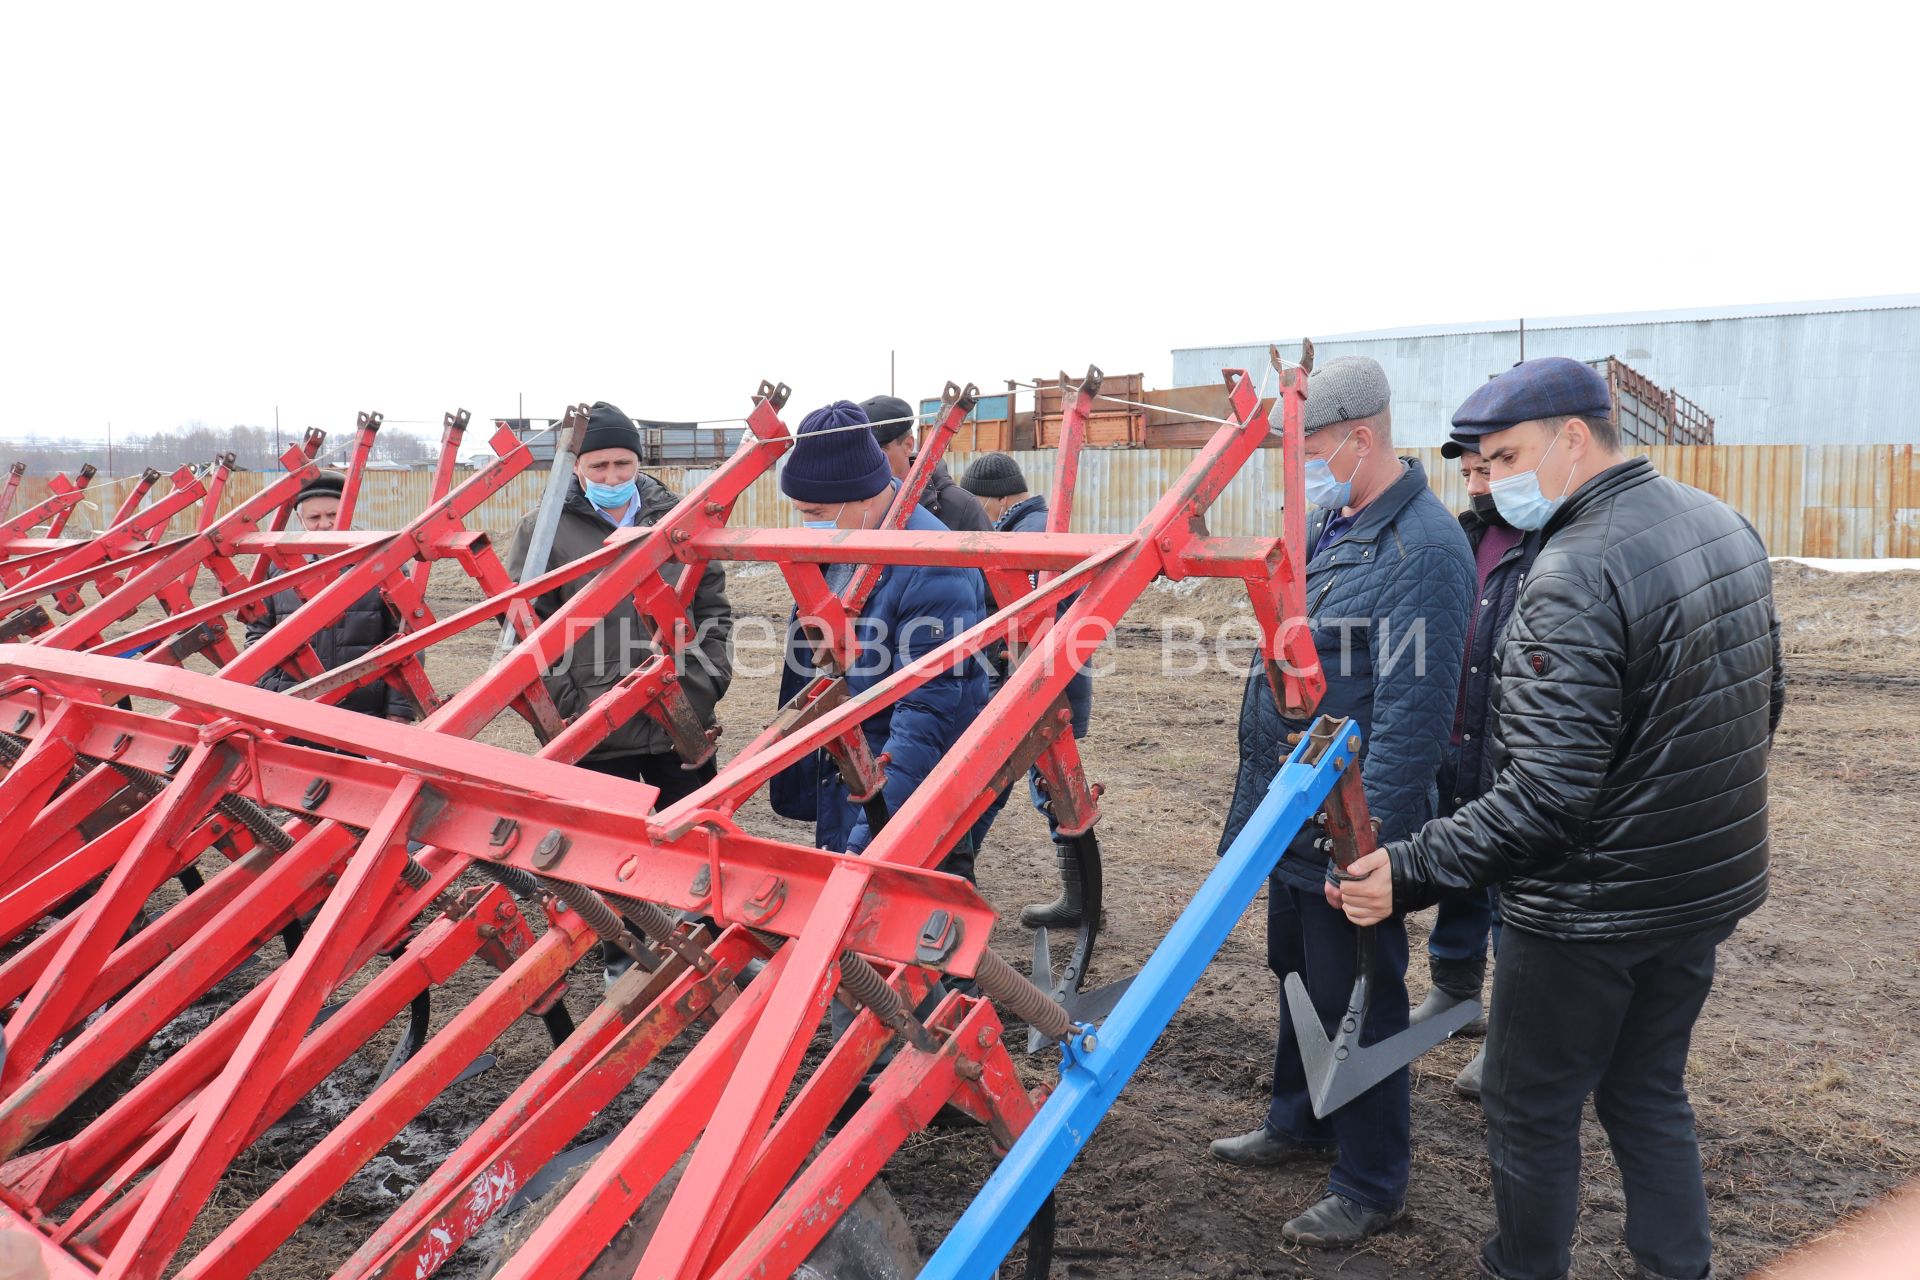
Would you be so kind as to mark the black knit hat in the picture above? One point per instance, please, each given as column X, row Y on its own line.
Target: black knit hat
column 608, row 428
column 884, row 410
column 832, row 464
column 993, row 475
column 328, row 484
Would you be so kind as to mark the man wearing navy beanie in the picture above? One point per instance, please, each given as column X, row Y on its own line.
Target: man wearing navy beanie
column 1640, row 682
column 838, row 478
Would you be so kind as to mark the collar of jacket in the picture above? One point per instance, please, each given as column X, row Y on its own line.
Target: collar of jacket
column 1606, row 486
column 655, row 499
column 1013, row 514
column 1475, row 528
column 1376, row 515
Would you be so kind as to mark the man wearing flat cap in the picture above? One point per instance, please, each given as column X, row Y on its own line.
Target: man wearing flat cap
column 893, row 422
column 1640, row 683
column 362, row 626
column 1388, row 586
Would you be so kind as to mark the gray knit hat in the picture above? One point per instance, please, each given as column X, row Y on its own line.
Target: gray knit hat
column 993, row 475
column 1345, row 389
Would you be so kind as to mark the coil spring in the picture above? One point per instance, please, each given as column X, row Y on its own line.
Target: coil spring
column 863, row 982
column 1007, row 986
column 600, row 917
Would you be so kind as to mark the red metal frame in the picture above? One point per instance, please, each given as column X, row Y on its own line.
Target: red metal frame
column 225, row 774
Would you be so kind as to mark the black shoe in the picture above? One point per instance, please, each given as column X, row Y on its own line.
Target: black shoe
column 1337, row 1222
column 1261, row 1149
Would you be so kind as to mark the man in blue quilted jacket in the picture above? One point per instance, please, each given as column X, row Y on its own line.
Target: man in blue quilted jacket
column 1389, row 582
column 837, row 478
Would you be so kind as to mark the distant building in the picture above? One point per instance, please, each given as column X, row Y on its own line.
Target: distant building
column 1840, row 372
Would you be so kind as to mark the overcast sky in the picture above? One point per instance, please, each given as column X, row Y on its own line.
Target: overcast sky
column 211, row 211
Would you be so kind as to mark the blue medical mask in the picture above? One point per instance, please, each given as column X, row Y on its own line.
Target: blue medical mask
column 1322, row 489
column 611, row 497
column 826, row 524
column 1519, row 499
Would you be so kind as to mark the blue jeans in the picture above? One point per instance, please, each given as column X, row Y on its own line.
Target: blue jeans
column 1462, row 925
column 1308, row 937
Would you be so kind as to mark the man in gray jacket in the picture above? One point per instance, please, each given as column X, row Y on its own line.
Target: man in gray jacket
column 609, row 492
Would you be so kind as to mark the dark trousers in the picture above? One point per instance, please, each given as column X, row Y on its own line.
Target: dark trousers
column 661, row 769
column 1612, row 1020
column 1461, row 927
column 1308, row 937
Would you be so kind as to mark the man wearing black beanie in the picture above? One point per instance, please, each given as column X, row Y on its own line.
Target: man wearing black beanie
column 365, row 623
column 894, row 422
column 609, row 492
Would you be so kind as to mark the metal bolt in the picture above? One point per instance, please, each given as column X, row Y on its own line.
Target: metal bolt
column 679, row 535
column 552, row 847
column 967, row 1069
column 1063, row 715
column 505, row 835
column 1353, row 742
column 1088, row 1043
column 316, row 792
column 120, row 745
column 506, row 910
column 175, row 758
column 766, row 900
column 419, row 613
column 986, row 1037
column 702, row 883
column 714, row 509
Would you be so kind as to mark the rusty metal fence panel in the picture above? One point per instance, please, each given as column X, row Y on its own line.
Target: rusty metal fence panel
column 1841, row 501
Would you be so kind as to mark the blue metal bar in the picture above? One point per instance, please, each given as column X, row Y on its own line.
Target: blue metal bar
column 1098, row 1064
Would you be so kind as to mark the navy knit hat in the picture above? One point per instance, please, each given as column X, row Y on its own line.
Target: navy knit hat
column 993, row 475
column 887, row 410
column 328, row 484
column 1533, row 389
column 830, row 465
column 608, row 428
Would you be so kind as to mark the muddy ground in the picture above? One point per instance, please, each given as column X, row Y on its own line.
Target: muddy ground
column 1802, row 1067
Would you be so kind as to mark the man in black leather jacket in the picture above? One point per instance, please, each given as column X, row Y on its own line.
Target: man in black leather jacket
column 1640, row 684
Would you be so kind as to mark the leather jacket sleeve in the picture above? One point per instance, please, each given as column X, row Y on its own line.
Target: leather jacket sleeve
column 1561, row 680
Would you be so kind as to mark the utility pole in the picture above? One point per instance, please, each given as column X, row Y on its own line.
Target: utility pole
column 276, row 431
column 1523, row 337
column 890, row 387
column 109, row 450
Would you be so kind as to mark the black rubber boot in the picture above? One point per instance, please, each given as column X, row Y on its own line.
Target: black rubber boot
column 1063, row 911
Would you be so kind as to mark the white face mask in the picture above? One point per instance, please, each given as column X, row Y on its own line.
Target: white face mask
column 1519, row 499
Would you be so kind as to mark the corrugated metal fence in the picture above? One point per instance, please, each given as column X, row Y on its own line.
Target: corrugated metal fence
column 1823, row 500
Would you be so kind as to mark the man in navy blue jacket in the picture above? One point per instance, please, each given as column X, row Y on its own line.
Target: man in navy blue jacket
column 838, row 478
column 996, row 480
column 1388, row 586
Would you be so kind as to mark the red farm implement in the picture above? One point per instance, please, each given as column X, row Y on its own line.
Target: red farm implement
column 180, row 844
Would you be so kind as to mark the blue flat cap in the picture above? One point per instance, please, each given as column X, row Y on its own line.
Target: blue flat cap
column 1543, row 388
column 1345, row 389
